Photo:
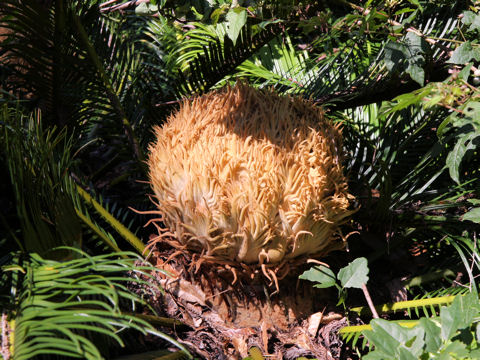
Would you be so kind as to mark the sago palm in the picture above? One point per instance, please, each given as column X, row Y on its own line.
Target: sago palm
column 249, row 184
column 395, row 165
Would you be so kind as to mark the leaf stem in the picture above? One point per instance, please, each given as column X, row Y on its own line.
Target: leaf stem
column 117, row 225
column 369, row 301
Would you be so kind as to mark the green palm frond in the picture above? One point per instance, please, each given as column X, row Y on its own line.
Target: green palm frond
column 438, row 305
column 119, row 227
column 157, row 355
column 41, row 62
column 280, row 65
column 77, row 306
column 50, row 207
column 86, row 71
column 73, row 308
column 212, row 56
column 37, row 162
column 354, row 72
column 429, row 304
column 396, row 167
column 395, row 154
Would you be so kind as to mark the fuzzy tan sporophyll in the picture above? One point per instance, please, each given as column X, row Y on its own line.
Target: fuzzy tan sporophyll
column 249, row 176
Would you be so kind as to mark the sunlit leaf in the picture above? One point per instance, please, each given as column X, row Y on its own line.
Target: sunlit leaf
column 455, row 157
column 236, row 19
column 355, row 274
column 472, row 215
column 321, row 275
column 464, row 53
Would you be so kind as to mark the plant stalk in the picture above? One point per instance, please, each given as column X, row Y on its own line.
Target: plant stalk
column 369, row 301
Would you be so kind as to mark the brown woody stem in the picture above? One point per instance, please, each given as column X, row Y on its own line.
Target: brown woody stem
column 369, row 301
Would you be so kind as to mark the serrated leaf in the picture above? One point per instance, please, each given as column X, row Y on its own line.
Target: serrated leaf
column 471, row 109
column 472, row 215
column 321, row 275
column 355, row 274
column 464, row 54
column 408, row 55
column 236, row 19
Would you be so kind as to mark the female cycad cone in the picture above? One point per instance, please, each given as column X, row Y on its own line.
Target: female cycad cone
column 249, row 177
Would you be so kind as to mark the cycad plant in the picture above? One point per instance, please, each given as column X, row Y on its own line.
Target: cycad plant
column 105, row 74
column 396, row 161
column 56, row 298
column 68, row 290
column 250, row 177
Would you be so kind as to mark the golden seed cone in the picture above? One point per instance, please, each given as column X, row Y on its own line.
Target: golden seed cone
column 250, row 176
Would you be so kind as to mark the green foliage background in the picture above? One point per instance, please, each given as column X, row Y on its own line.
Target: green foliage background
column 83, row 82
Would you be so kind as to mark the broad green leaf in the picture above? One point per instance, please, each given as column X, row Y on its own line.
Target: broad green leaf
column 323, row 276
column 405, row 100
column 433, row 340
column 474, row 354
column 355, row 274
column 464, row 53
column 215, row 15
column 450, row 318
column 408, row 55
column 415, row 50
column 416, row 341
column 472, row 215
column 454, row 158
column 404, row 353
column 459, row 315
column 144, row 9
column 471, row 110
column 416, row 72
column 236, row 19
column 464, row 74
column 375, row 355
column 433, row 101
column 395, row 341
column 394, row 55
column 455, row 350
column 381, row 336
column 470, row 308
column 472, row 19
column 416, row 44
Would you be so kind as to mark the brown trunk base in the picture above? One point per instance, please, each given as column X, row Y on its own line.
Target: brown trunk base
column 227, row 320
